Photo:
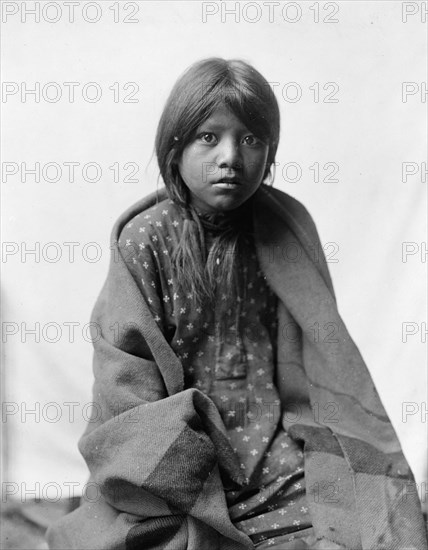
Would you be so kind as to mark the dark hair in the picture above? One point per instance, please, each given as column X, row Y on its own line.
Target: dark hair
column 205, row 86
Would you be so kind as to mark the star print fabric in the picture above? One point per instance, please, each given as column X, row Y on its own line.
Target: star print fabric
column 227, row 352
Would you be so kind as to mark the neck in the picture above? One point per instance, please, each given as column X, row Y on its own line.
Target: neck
column 220, row 221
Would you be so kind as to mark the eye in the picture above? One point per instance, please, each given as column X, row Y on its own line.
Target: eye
column 251, row 140
column 208, row 137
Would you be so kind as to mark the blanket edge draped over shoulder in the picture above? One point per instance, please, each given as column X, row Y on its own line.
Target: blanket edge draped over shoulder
column 158, row 455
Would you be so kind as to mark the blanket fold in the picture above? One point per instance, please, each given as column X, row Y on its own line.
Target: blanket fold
column 158, row 454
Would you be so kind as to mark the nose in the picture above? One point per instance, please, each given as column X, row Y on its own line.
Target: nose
column 229, row 154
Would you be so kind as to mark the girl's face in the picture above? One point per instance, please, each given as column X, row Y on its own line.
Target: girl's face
column 223, row 165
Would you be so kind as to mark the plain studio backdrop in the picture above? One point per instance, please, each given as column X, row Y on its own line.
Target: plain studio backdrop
column 84, row 86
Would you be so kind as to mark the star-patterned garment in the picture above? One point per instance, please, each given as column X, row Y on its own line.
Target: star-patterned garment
column 227, row 352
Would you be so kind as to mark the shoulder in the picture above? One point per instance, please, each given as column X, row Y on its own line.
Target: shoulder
column 143, row 225
column 298, row 219
column 292, row 210
column 152, row 215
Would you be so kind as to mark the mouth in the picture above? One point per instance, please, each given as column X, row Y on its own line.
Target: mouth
column 228, row 183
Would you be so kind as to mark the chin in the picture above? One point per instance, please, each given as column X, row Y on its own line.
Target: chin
column 225, row 206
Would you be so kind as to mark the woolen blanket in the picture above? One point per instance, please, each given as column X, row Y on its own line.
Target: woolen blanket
column 158, row 454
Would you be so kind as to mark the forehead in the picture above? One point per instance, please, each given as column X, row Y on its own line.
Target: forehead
column 223, row 118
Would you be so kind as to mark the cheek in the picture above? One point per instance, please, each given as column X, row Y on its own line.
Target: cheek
column 189, row 165
column 257, row 163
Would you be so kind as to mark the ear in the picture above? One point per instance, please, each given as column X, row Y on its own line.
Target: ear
column 269, row 175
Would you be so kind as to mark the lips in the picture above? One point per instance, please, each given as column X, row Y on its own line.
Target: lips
column 227, row 183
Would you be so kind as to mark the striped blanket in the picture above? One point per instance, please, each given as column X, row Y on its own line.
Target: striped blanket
column 158, row 455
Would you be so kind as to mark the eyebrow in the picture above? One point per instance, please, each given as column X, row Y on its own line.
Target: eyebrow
column 209, row 125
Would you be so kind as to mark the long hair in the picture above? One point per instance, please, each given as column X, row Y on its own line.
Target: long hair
column 204, row 87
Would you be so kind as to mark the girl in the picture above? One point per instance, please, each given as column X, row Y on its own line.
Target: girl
column 222, row 421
